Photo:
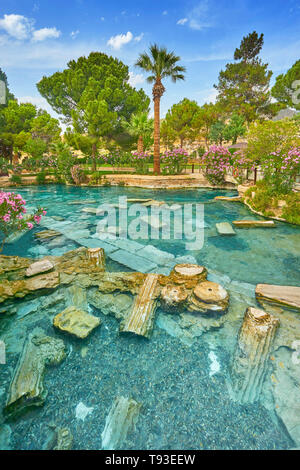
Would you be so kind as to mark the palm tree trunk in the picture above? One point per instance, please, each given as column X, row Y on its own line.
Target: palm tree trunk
column 156, row 166
column 140, row 146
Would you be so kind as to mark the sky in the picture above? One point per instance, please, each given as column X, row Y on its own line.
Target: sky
column 38, row 38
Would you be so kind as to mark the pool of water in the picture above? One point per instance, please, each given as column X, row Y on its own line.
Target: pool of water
column 180, row 376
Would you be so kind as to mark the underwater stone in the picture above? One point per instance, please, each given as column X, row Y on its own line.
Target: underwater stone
column 229, row 198
column 207, row 297
column 251, row 358
column 254, row 223
column 188, row 274
column 5, row 437
column 121, row 419
column 111, row 304
column 151, row 252
column 225, row 228
column 27, row 388
column 23, row 287
column 95, row 243
column 97, row 257
column 77, row 296
column 285, row 295
column 83, row 411
column 133, row 261
column 76, row 322
column 173, row 297
column 47, row 234
column 141, row 318
column 39, row 267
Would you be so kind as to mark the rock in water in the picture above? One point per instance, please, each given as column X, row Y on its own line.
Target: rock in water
column 140, row 320
column 225, row 228
column 173, row 297
column 122, row 417
column 61, row 439
column 76, row 322
column 251, row 357
column 208, row 297
column 285, row 295
column 39, row 267
column 254, row 223
column 27, row 388
column 83, row 411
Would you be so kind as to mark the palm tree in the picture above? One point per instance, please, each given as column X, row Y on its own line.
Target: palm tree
column 140, row 127
column 160, row 64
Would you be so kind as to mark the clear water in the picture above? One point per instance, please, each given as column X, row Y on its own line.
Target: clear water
column 181, row 385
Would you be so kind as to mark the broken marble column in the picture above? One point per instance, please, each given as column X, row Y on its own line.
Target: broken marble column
column 97, row 257
column 122, row 418
column 188, row 274
column 27, row 388
column 141, row 318
column 173, row 297
column 208, row 297
column 251, row 358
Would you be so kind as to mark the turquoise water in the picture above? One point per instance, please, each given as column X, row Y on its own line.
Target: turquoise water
column 185, row 402
column 253, row 255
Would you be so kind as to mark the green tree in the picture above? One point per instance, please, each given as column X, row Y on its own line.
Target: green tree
column 217, row 132
column 167, row 133
column 159, row 63
column 180, row 118
column 243, row 86
column 271, row 136
column 202, row 122
column 287, row 87
column 235, row 128
column 141, row 128
column 93, row 94
column 36, row 148
column 45, row 127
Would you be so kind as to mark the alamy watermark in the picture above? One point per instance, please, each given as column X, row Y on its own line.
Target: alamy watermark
column 3, row 97
column 140, row 221
column 2, row 353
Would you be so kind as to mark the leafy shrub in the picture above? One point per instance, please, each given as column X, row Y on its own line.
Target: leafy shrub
column 174, row 161
column 15, row 179
column 78, row 175
column 140, row 161
column 41, row 177
column 217, row 162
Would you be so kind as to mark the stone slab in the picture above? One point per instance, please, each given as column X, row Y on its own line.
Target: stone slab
column 224, row 228
column 132, row 261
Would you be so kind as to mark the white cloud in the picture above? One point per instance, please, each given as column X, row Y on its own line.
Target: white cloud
column 135, row 79
column 116, row 42
column 139, row 38
column 74, row 34
column 102, row 18
column 182, row 21
column 165, row 12
column 45, row 33
column 17, row 26
column 199, row 17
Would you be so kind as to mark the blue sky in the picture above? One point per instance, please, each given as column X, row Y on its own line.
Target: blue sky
column 39, row 37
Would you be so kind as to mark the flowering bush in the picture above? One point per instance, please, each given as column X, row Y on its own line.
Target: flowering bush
column 174, row 161
column 77, row 174
column 13, row 216
column 281, row 168
column 240, row 163
column 140, row 161
column 217, row 162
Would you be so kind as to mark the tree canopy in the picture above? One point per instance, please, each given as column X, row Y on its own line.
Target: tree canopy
column 180, row 118
column 287, row 87
column 243, row 86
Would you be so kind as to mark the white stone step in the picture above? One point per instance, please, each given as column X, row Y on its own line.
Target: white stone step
column 132, row 261
column 153, row 253
column 96, row 243
column 225, row 228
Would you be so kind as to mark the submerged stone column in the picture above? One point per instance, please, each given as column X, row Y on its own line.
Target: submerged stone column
column 251, row 357
column 140, row 320
column 97, row 257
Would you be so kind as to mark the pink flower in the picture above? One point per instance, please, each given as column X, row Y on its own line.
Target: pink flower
column 29, row 225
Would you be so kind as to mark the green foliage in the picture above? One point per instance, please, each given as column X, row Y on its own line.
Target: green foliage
column 217, row 132
column 271, row 136
column 235, row 128
column 45, row 127
column 167, row 133
column 180, row 118
column 291, row 212
column 15, row 179
column 93, row 94
column 243, row 86
column 140, row 125
column 35, row 148
column 160, row 64
column 204, row 119
column 65, row 160
column 287, row 87
column 41, row 178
